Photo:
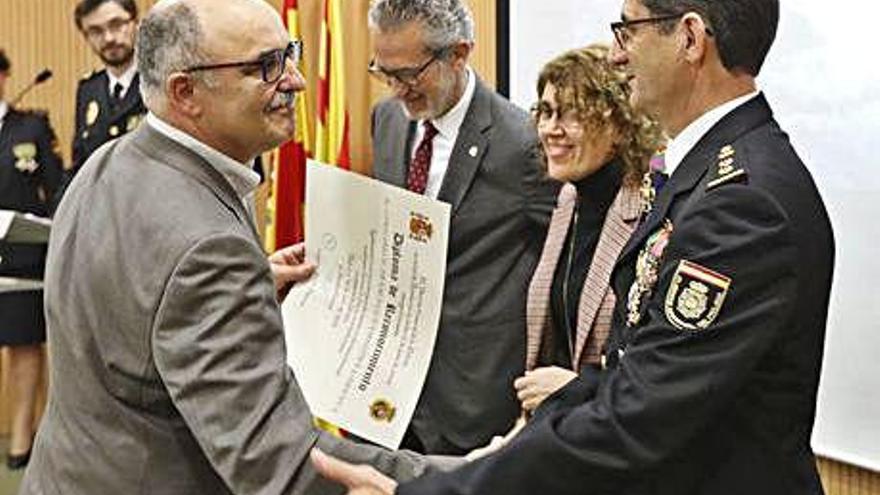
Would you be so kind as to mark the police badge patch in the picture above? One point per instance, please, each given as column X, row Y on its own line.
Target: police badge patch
column 695, row 296
column 25, row 157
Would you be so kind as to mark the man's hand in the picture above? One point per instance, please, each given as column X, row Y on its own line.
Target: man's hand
column 497, row 441
column 289, row 267
column 359, row 479
column 538, row 384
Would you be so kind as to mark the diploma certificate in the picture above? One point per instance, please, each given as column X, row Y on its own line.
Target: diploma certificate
column 360, row 332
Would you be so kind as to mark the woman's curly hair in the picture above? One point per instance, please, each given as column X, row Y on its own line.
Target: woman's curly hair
column 587, row 82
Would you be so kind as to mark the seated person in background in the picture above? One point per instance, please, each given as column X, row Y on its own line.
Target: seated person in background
column 596, row 143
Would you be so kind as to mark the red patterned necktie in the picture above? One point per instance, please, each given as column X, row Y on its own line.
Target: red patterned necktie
column 417, row 177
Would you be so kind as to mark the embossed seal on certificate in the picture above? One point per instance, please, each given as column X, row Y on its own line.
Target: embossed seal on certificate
column 382, row 410
column 420, row 227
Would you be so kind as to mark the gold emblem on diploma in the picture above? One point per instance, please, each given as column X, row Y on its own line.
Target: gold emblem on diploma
column 382, row 410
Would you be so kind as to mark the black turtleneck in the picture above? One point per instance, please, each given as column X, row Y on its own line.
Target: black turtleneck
column 594, row 197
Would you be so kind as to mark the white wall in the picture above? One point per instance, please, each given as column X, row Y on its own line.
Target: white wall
column 823, row 80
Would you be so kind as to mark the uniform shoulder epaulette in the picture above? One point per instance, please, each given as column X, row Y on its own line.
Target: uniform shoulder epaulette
column 727, row 170
column 91, row 75
column 40, row 113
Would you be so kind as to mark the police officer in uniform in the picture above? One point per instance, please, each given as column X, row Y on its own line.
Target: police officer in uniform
column 710, row 376
column 108, row 101
column 30, row 172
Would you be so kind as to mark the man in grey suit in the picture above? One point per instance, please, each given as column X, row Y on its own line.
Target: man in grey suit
column 447, row 135
column 168, row 370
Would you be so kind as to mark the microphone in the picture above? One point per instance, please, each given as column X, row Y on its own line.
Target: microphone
column 42, row 77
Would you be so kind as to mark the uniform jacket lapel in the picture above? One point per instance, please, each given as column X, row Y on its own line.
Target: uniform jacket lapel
column 695, row 165
column 538, row 302
column 130, row 100
column 469, row 149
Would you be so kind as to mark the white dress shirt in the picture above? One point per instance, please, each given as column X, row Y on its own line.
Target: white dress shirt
column 682, row 144
column 241, row 176
column 124, row 80
column 4, row 108
column 447, row 126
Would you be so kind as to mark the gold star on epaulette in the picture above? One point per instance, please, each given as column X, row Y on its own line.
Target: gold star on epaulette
column 727, row 169
column 88, row 75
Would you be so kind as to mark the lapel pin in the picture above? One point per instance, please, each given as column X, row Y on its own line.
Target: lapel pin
column 473, row 151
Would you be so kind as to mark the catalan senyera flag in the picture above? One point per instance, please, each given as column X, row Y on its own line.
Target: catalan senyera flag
column 285, row 209
column 332, row 127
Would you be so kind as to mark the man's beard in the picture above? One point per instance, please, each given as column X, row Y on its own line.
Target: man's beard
column 440, row 104
column 119, row 56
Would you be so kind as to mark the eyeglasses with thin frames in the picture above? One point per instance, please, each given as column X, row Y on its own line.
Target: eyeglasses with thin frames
column 547, row 117
column 622, row 29
column 406, row 76
column 113, row 26
column 271, row 63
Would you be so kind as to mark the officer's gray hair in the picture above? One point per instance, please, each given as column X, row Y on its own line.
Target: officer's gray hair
column 445, row 22
column 169, row 40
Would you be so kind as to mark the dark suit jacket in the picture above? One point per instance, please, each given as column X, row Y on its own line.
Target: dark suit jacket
column 726, row 409
column 91, row 130
column 597, row 300
column 30, row 172
column 168, row 367
column 501, row 204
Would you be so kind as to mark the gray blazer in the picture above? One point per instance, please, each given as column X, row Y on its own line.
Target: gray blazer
column 167, row 356
column 501, row 204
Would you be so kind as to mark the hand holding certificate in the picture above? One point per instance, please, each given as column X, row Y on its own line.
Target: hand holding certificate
column 361, row 331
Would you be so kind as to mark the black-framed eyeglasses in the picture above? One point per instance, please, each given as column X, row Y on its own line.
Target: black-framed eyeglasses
column 621, row 29
column 271, row 63
column 407, row 76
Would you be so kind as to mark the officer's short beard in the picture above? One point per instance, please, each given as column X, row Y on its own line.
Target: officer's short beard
column 123, row 60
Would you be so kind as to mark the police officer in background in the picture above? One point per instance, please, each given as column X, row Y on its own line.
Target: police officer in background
column 30, row 171
column 108, row 101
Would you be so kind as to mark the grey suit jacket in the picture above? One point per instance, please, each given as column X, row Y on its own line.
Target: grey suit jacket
column 501, row 204
column 167, row 356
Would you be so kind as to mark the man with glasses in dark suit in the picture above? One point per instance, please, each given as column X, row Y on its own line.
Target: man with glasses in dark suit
column 445, row 134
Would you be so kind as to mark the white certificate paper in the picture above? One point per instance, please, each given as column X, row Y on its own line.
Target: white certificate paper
column 360, row 333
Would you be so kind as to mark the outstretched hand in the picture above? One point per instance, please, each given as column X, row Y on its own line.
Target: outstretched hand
column 289, row 267
column 359, row 479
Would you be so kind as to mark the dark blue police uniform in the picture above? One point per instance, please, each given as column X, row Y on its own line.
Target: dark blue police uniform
column 100, row 117
column 30, row 173
column 713, row 363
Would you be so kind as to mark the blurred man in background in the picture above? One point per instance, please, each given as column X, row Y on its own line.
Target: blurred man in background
column 108, row 101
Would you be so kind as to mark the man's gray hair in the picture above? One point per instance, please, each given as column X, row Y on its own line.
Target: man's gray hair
column 169, row 40
column 445, row 22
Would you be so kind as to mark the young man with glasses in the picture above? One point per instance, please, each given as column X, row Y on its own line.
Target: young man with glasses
column 168, row 367
column 446, row 135
column 712, row 367
column 108, row 101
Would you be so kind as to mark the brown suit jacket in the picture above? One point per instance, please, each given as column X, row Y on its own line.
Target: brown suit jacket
column 597, row 299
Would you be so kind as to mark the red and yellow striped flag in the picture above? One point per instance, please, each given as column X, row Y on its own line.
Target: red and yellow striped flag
column 285, row 209
column 331, row 134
